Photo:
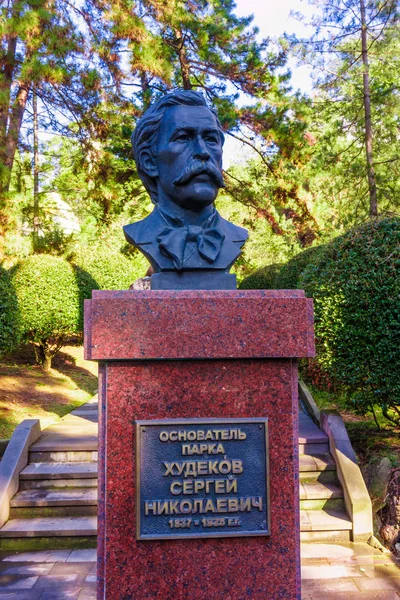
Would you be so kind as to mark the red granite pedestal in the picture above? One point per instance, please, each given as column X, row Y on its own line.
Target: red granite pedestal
column 205, row 354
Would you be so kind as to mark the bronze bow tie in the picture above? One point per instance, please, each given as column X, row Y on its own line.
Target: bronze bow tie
column 173, row 240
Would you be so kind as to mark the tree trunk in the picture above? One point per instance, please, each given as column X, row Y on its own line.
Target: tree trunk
column 5, row 86
column 8, row 149
column 35, row 172
column 373, row 201
column 46, row 364
column 7, row 69
column 7, row 72
column 15, row 124
column 183, row 61
column 43, row 355
column 39, row 354
column 146, row 90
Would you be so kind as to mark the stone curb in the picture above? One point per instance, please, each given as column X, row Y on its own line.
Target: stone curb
column 357, row 500
column 14, row 460
column 306, row 397
column 356, row 497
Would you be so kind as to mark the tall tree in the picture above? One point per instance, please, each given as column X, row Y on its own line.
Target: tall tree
column 203, row 45
column 350, row 39
column 373, row 200
column 45, row 47
column 89, row 59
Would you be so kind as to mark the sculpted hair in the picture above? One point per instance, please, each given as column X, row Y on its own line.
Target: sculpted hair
column 144, row 137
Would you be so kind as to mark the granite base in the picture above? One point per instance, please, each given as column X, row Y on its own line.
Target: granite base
column 230, row 382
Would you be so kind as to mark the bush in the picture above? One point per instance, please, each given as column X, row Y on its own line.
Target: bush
column 109, row 270
column 9, row 317
column 281, row 276
column 288, row 276
column 355, row 283
column 86, row 284
column 48, row 299
column 262, row 279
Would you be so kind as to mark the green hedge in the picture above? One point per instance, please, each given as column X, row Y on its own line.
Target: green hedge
column 262, row 279
column 109, row 270
column 288, row 276
column 49, row 303
column 9, row 316
column 281, row 276
column 355, row 284
column 86, row 284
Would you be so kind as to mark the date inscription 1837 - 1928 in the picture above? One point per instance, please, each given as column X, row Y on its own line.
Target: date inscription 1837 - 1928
column 202, row 478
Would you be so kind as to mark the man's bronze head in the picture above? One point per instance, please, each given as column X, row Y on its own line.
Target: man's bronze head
column 177, row 146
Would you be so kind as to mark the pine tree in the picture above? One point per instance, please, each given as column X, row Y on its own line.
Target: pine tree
column 350, row 41
column 44, row 47
column 203, row 45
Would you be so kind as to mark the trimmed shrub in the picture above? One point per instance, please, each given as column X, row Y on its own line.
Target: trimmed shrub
column 109, row 270
column 86, row 284
column 281, row 276
column 288, row 276
column 48, row 299
column 355, row 284
column 262, row 279
column 9, row 317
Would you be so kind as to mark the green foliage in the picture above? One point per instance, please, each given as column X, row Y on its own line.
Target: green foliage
column 263, row 246
column 86, row 284
column 48, row 299
column 262, row 279
column 274, row 182
column 336, row 175
column 9, row 317
column 42, row 48
column 355, row 283
column 280, row 276
column 107, row 270
column 288, row 276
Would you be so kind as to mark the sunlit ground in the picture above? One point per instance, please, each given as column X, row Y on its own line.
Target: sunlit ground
column 27, row 392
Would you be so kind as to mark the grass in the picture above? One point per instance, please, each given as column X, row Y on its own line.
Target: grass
column 369, row 442
column 27, row 392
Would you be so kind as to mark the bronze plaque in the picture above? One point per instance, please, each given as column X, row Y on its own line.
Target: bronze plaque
column 202, row 478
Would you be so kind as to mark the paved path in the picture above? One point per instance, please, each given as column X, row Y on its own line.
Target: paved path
column 329, row 572
column 348, row 571
column 48, row 575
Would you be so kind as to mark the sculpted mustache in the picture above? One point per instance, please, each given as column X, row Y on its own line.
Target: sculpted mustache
column 197, row 167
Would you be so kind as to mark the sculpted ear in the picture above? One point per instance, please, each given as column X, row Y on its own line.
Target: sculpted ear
column 149, row 164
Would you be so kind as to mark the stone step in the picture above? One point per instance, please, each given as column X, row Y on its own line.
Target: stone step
column 309, row 431
column 50, row 527
column 63, row 456
column 315, row 495
column 313, row 448
column 29, row 484
column 60, row 442
column 315, row 490
column 32, row 512
column 60, row 470
column 326, row 537
column 54, row 497
column 318, row 463
column 322, row 520
column 327, row 504
column 24, row 544
column 85, row 413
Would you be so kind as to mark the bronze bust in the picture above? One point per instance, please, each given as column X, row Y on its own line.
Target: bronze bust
column 177, row 146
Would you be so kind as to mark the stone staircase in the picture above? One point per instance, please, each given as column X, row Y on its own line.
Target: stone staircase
column 323, row 517
column 56, row 504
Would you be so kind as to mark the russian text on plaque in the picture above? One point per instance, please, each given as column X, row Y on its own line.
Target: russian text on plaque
column 202, row 478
